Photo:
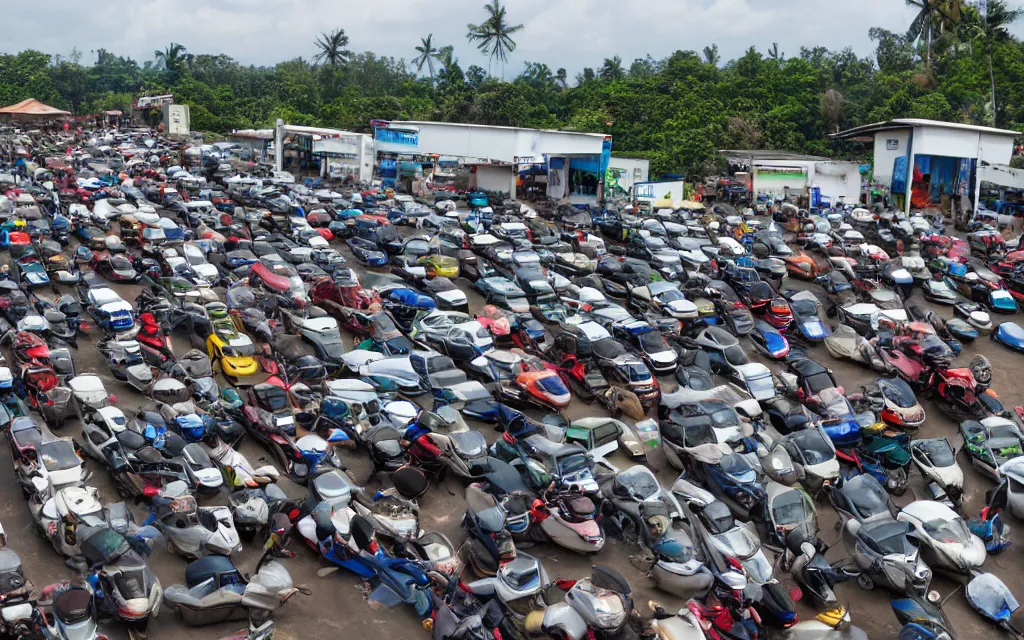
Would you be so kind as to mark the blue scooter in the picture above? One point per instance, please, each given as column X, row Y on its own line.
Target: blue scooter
column 396, row 580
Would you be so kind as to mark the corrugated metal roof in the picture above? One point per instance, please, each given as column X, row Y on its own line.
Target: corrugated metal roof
column 910, row 123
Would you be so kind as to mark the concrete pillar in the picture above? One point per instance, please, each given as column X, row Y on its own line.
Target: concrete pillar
column 279, row 145
column 910, row 171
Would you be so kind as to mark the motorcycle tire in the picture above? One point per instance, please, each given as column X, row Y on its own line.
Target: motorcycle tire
column 630, row 534
column 865, row 582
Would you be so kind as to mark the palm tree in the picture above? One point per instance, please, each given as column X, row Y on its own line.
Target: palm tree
column 172, row 58
column 931, row 13
column 494, row 35
column 427, row 55
column 612, row 69
column 446, row 56
column 331, row 48
column 711, row 55
column 774, row 53
column 995, row 28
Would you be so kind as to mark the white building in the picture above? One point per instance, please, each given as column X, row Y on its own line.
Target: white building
column 576, row 161
column 935, row 158
column 779, row 174
column 626, row 172
column 332, row 152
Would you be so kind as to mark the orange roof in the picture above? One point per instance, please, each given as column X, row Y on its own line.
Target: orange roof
column 33, row 107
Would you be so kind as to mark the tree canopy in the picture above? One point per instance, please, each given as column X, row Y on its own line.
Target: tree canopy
column 676, row 111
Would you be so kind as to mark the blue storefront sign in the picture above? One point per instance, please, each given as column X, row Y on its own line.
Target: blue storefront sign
column 398, row 137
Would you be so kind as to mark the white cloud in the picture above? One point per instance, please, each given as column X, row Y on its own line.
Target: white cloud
column 562, row 33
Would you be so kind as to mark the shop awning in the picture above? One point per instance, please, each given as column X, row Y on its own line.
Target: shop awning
column 32, row 109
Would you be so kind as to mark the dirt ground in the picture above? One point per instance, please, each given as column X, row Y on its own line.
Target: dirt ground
column 337, row 607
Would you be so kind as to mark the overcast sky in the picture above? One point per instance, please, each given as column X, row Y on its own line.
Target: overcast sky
column 562, row 33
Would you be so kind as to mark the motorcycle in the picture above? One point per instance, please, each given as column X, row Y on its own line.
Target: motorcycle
column 192, row 531
column 348, row 541
column 16, row 593
column 994, row 601
column 124, row 586
column 517, row 583
column 568, row 520
column 920, row 618
column 936, row 460
column 490, row 541
column 126, row 362
column 805, row 560
column 605, row 603
column 73, row 613
column 237, row 470
column 215, row 591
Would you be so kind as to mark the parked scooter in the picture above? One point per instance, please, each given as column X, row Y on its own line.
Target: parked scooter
column 72, row 613
column 945, row 540
column 805, row 561
column 921, row 618
column 517, row 583
column 490, row 542
column 994, row 601
column 192, row 531
column 16, row 593
column 349, row 541
column 936, row 460
column 726, row 543
column 215, row 591
column 567, row 519
column 124, row 586
column 237, row 470
column 605, row 603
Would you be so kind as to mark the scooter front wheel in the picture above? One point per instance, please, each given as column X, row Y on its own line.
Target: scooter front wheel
column 865, row 582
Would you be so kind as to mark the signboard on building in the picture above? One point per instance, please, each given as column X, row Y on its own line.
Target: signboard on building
column 176, row 119
column 341, row 146
column 398, row 137
column 892, row 144
column 644, row 190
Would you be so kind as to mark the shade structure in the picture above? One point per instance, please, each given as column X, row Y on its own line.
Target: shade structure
column 32, row 110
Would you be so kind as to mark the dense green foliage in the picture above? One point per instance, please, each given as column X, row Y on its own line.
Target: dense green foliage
column 677, row 111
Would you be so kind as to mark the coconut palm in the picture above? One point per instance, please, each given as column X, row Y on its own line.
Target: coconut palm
column 446, row 56
column 932, row 15
column 428, row 53
column 612, row 70
column 562, row 78
column 711, row 55
column 493, row 36
column 172, row 58
column 331, row 48
column 994, row 28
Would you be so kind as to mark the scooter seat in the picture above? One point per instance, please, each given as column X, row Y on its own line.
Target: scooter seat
column 517, row 504
column 211, row 566
column 174, row 444
column 73, row 606
column 581, row 506
column 362, row 532
column 479, row 500
column 410, row 481
column 149, row 455
column 131, row 440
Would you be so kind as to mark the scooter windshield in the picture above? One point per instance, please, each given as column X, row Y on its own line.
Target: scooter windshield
column 792, row 508
column 948, row 531
column 897, row 392
column 991, row 597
